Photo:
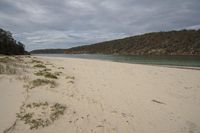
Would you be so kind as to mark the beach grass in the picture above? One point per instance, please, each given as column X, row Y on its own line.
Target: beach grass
column 57, row 73
column 37, row 61
column 46, row 115
column 5, row 59
column 40, row 82
column 46, row 74
column 7, row 69
column 40, row 66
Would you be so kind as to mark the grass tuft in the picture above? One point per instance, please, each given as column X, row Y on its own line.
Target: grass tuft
column 37, row 61
column 40, row 82
column 40, row 66
column 40, row 73
column 34, row 104
column 57, row 73
column 50, row 75
column 57, row 110
column 5, row 59
column 46, row 74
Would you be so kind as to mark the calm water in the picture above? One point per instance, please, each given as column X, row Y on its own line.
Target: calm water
column 192, row 61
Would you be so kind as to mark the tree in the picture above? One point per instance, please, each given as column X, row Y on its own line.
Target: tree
column 8, row 45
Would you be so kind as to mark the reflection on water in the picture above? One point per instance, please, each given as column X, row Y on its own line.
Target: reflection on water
column 193, row 61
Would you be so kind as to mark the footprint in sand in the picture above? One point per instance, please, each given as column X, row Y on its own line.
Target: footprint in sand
column 70, row 79
column 113, row 111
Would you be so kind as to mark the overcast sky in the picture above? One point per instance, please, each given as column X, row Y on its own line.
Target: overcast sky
column 67, row 23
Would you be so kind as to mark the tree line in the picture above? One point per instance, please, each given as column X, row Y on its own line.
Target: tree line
column 9, row 46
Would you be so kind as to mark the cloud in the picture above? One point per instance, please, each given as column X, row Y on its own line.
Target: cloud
column 59, row 39
column 68, row 23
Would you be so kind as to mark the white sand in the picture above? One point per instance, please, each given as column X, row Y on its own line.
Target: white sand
column 110, row 97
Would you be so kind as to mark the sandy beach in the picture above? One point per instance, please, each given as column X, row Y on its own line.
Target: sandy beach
column 91, row 96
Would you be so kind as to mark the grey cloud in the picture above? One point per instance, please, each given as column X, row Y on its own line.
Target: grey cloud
column 67, row 23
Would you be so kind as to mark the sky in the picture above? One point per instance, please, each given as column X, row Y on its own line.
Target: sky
column 43, row 24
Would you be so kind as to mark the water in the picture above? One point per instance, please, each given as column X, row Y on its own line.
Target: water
column 191, row 61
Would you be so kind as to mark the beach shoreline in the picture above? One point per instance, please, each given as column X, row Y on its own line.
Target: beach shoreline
column 168, row 66
column 102, row 96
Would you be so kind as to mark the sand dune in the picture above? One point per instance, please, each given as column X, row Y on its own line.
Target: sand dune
column 101, row 97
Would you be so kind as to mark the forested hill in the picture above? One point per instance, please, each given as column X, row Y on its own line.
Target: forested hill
column 9, row 46
column 184, row 42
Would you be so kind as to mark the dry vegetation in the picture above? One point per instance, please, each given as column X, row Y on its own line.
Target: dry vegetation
column 6, row 69
column 40, row 82
column 46, row 71
column 40, row 114
column 40, row 66
column 34, row 114
column 70, row 77
column 6, row 59
column 61, row 68
column 46, row 74
column 11, row 65
column 36, row 61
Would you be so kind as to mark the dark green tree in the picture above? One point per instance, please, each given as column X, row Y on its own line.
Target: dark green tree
column 8, row 44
